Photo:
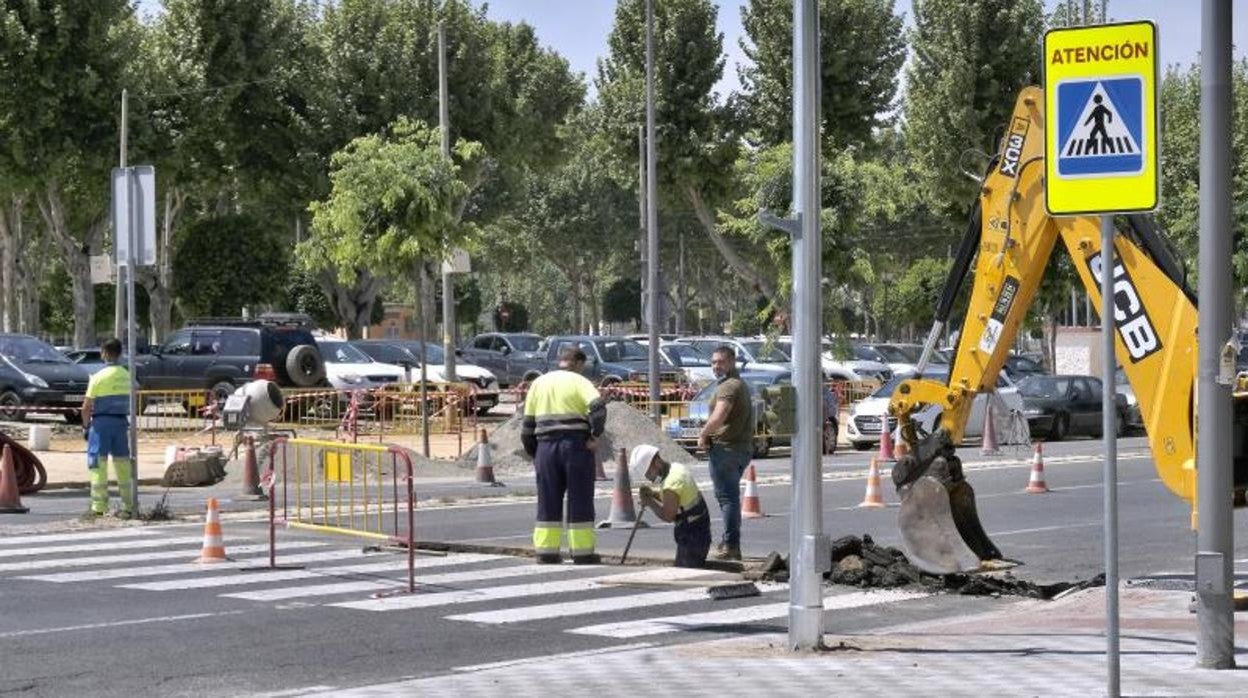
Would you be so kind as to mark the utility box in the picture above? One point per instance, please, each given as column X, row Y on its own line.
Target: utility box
column 781, row 405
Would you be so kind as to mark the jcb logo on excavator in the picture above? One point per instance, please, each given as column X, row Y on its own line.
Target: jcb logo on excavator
column 1012, row 149
column 1136, row 330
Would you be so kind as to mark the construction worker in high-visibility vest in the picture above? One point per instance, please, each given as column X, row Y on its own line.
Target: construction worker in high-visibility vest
column 563, row 417
column 106, row 427
column 676, row 499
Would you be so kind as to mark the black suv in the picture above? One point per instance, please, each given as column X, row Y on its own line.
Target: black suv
column 33, row 373
column 220, row 354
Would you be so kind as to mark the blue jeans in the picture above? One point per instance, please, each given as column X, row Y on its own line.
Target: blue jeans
column 727, row 467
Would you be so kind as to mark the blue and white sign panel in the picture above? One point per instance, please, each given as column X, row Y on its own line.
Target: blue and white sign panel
column 1100, row 127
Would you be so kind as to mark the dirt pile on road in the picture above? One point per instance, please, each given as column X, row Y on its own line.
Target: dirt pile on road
column 860, row 562
column 626, row 428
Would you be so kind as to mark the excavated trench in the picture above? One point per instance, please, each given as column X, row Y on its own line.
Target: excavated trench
column 858, row 561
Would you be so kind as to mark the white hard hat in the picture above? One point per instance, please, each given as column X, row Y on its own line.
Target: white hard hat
column 639, row 462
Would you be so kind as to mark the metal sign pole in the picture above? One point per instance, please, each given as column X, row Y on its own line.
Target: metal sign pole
column 652, row 220
column 448, row 281
column 1109, row 432
column 132, row 239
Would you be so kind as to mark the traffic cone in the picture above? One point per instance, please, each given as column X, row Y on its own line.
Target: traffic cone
column 751, row 507
column 251, row 475
column 10, row 499
column 623, row 515
column 886, row 441
column 485, row 469
column 874, row 497
column 214, row 547
column 990, row 431
column 1036, row 484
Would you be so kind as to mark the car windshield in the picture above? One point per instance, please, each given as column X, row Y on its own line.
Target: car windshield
column 525, row 343
column 432, row 351
column 1043, row 386
column 31, row 351
column 887, row 389
column 764, row 354
column 896, row 355
column 342, row 353
column 621, row 350
column 686, row 355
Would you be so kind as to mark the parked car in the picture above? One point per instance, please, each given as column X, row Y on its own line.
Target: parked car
column 611, row 359
column 34, row 374
column 1019, row 367
column 773, row 428
column 746, row 360
column 901, row 358
column 866, row 369
column 693, row 363
column 221, row 354
column 91, row 359
column 349, row 369
column 483, row 383
column 867, row 416
column 1134, row 418
column 514, row 357
column 1067, row 405
column 832, row 369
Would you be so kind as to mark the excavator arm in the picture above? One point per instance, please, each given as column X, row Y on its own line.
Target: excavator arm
column 1011, row 239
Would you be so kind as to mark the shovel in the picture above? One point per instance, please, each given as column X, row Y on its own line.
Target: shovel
column 632, row 534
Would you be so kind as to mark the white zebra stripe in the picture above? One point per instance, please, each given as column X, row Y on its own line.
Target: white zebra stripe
column 188, row 553
column 157, row 570
column 391, row 564
column 283, row 593
column 738, row 616
column 577, row 608
column 82, row 535
column 100, row 547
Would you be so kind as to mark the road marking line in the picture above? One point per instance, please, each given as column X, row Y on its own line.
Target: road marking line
column 182, row 568
column 188, row 553
column 83, row 535
column 1041, row 529
column 553, row 657
column 119, row 623
column 577, row 608
column 739, row 616
column 283, row 593
column 98, row 547
column 450, row 598
column 394, row 563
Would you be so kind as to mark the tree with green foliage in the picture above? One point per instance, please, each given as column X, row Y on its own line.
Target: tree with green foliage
column 622, row 302
column 392, row 206
column 969, row 62
column 228, row 262
column 861, row 50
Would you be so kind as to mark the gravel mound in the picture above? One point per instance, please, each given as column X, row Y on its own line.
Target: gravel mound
column 860, row 562
column 626, row 428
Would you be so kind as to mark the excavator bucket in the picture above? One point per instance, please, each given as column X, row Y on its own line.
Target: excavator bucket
column 930, row 530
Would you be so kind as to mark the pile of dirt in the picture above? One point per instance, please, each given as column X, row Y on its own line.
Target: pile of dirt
column 860, row 562
column 626, row 428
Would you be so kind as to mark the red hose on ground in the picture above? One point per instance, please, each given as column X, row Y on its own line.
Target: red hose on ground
column 31, row 477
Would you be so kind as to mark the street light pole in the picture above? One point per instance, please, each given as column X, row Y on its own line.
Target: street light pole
column 652, row 219
column 448, row 281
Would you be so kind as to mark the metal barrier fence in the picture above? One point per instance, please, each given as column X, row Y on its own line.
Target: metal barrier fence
column 319, row 492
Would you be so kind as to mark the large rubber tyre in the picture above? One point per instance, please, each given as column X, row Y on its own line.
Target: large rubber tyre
column 9, row 399
column 1061, row 427
column 830, row 434
column 864, row 446
column 73, row 417
column 1119, row 428
column 305, row 366
column 221, row 391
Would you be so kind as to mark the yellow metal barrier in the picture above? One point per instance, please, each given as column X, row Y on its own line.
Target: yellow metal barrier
column 336, row 487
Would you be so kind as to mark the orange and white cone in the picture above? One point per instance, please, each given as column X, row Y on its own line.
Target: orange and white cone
column 886, row 441
column 874, row 497
column 485, row 468
column 1036, row 484
column 214, row 546
column 751, row 507
column 10, row 494
column 990, row 431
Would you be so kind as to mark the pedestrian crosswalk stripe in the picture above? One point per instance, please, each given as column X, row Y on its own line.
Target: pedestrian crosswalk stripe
column 577, row 608
column 188, row 553
column 394, row 603
column 97, row 547
column 390, row 563
column 182, row 568
column 283, row 593
column 81, row 535
column 737, row 616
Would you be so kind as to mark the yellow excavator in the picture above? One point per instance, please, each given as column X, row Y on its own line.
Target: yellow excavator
column 1010, row 240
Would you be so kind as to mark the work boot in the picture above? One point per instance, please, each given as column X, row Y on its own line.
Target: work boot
column 549, row 559
column 590, row 559
column 727, row 552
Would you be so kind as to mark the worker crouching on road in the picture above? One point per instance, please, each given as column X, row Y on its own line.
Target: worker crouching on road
column 105, row 424
column 563, row 417
column 676, row 499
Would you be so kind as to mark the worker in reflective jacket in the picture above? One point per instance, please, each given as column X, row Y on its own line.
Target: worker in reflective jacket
column 563, row 417
column 675, row 499
column 105, row 425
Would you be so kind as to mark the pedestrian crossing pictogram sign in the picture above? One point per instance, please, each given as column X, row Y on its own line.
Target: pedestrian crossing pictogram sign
column 1101, row 147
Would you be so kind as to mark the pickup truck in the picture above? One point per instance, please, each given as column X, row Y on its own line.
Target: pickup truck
column 611, row 359
column 513, row 357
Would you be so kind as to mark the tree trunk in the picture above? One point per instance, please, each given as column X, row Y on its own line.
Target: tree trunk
column 428, row 301
column 157, row 282
column 739, row 265
column 353, row 305
column 10, row 244
column 77, row 258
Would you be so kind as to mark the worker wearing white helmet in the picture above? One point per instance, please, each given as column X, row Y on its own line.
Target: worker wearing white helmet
column 675, row 499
